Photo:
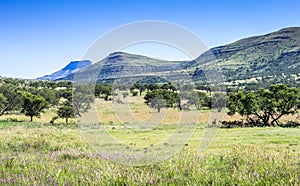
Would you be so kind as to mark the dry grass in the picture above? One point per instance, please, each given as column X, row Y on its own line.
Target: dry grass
column 134, row 109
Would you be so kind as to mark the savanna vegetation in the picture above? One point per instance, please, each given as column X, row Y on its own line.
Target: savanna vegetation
column 45, row 147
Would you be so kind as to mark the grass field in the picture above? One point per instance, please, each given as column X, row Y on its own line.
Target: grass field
column 40, row 154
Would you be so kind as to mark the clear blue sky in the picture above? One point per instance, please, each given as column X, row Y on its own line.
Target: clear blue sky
column 41, row 36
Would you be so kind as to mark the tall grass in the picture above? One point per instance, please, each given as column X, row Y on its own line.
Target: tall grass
column 39, row 154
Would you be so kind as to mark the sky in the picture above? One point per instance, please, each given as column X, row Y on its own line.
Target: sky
column 39, row 37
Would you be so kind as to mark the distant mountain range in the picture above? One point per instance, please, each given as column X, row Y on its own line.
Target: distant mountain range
column 71, row 68
column 266, row 55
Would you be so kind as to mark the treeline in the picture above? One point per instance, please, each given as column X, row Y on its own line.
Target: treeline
column 259, row 107
column 31, row 97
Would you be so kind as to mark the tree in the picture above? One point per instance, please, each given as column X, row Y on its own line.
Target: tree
column 218, row 101
column 265, row 106
column 140, row 87
column 198, row 99
column 66, row 111
column 157, row 103
column 12, row 99
column 66, row 94
column 162, row 98
column 33, row 105
column 83, row 96
column 169, row 86
column 3, row 101
column 11, row 81
column 152, row 87
column 106, row 90
column 285, row 101
column 51, row 96
column 66, row 84
column 243, row 103
column 171, row 98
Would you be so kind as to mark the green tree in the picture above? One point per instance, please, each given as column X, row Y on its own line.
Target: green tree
column 12, row 99
column 51, row 96
column 11, row 81
column 66, row 94
column 3, row 101
column 285, row 101
column 65, row 84
column 169, row 86
column 244, row 103
column 140, row 87
column 105, row 90
column 162, row 98
column 66, row 111
column 33, row 105
column 152, row 87
column 265, row 106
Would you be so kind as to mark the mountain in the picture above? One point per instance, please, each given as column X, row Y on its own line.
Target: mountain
column 72, row 67
column 271, row 54
column 125, row 65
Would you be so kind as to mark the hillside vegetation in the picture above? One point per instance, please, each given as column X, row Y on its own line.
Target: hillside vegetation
column 276, row 54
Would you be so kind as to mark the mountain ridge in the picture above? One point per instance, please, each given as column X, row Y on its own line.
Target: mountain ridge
column 256, row 56
column 269, row 54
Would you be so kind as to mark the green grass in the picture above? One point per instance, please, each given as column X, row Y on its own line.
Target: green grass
column 40, row 154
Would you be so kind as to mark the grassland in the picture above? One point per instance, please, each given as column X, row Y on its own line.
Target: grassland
column 39, row 153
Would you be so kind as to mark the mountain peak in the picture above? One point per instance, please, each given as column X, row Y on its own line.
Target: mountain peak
column 72, row 67
column 118, row 53
column 123, row 56
column 116, row 56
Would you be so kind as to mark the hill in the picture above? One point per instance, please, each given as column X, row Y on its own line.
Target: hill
column 125, row 65
column 271, row 54
column 72, row 67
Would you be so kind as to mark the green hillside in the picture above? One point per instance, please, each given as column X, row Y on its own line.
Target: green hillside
column 124, row 65
column 272, row 54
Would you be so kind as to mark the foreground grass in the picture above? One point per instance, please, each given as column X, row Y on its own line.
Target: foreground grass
column 40, row 154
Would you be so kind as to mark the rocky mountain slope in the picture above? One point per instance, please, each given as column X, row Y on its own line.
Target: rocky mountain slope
column 266, row 55
column 125, row 65
column 271, row 54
